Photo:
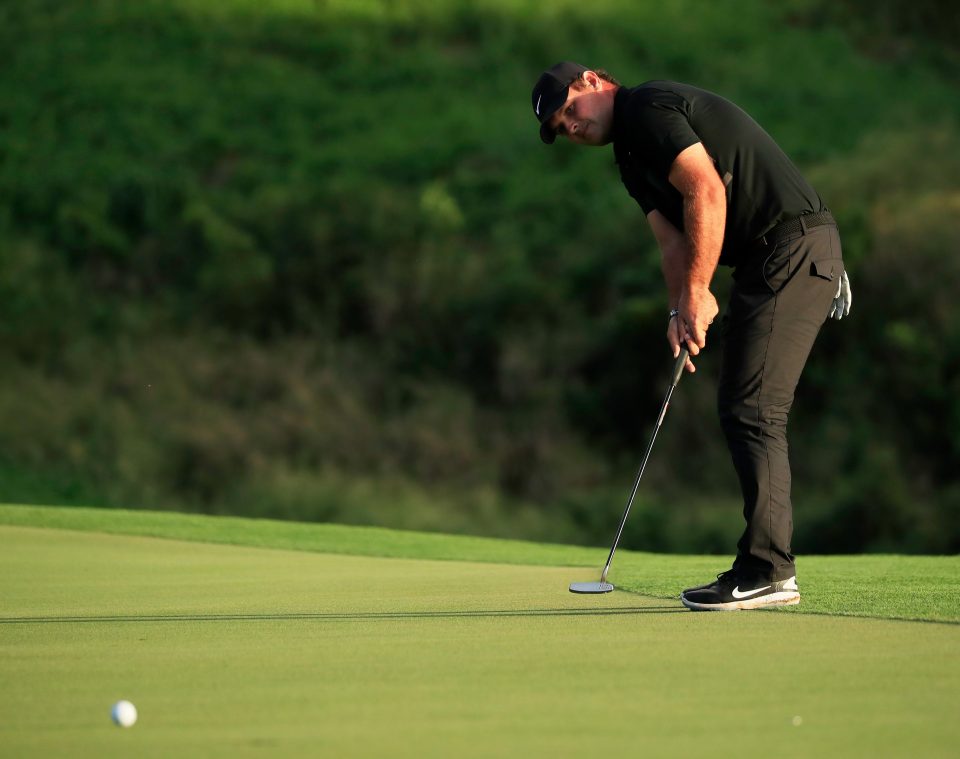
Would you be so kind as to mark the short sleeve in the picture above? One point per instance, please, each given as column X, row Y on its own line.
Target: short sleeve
column 661, row 125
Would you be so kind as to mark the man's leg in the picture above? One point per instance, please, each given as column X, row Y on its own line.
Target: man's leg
column 777, row 306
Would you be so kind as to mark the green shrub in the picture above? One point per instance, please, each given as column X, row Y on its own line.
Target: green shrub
column 314, row 251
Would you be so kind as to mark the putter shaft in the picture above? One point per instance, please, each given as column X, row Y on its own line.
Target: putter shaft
column 677, row 372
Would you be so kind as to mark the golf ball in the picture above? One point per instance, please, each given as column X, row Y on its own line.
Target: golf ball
column 124, row 713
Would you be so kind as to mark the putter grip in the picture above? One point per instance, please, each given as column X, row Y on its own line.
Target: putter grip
column 681, row 362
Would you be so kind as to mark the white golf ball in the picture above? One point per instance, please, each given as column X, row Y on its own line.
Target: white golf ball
column 124, row 713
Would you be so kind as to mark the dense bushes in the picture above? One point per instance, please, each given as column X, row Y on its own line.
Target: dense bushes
column 309, row 260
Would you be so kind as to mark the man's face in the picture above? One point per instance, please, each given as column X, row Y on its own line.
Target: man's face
column 587, row 116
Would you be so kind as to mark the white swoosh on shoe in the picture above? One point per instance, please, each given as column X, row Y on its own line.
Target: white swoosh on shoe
column 737, row 593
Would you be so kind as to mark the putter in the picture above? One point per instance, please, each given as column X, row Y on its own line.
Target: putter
column 603, row 586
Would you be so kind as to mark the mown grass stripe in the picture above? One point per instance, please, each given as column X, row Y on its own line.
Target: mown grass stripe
column 912, row 588
column 335, row 616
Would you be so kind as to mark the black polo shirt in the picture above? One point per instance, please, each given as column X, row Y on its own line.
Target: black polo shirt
column 655, row 122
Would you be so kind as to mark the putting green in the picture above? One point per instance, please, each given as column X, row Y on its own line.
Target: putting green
column 234, row 651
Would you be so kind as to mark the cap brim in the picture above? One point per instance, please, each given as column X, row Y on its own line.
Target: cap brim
column 547, row 134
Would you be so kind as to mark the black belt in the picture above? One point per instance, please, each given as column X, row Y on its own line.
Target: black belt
column 796, row 227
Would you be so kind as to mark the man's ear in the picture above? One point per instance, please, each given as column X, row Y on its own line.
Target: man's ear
column 591, row 80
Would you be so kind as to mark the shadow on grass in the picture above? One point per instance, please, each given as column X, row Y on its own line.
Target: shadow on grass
column 342, row 616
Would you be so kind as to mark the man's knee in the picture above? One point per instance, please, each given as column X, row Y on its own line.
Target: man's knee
column 752, row 415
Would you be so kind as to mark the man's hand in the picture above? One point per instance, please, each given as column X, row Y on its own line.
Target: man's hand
column 675, row 338
column 697, row 308
column 843, row 298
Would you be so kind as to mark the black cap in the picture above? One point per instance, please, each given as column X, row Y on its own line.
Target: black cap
column 550, row 93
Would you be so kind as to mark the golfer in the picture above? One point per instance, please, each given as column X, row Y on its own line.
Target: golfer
column 716, row 189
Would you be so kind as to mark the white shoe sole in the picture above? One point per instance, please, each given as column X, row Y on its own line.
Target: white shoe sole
column 783, row 598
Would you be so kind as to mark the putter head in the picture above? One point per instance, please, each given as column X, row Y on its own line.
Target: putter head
column 591, row 587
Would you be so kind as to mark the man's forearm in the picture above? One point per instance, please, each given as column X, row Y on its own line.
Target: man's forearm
column 704, row 219
column 694, row 174
column 673, row 264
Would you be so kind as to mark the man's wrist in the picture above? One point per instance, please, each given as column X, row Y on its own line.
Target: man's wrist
column 696, row 285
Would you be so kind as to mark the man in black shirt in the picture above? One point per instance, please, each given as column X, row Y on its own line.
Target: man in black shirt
column 716, row 189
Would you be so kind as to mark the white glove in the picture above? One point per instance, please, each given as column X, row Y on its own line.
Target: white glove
column 843, row 298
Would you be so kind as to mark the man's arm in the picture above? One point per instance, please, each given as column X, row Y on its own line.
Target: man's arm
column 704, row 218
column 674, row 253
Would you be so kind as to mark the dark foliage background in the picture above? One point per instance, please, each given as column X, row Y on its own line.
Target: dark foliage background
column 307, row 259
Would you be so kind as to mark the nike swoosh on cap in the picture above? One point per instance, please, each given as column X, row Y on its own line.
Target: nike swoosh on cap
column 737, row 593
column 537, row 109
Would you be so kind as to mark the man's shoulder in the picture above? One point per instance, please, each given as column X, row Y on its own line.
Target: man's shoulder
column 655, row 87
column 665, row 90
column 648, row 107
column 657, row 93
